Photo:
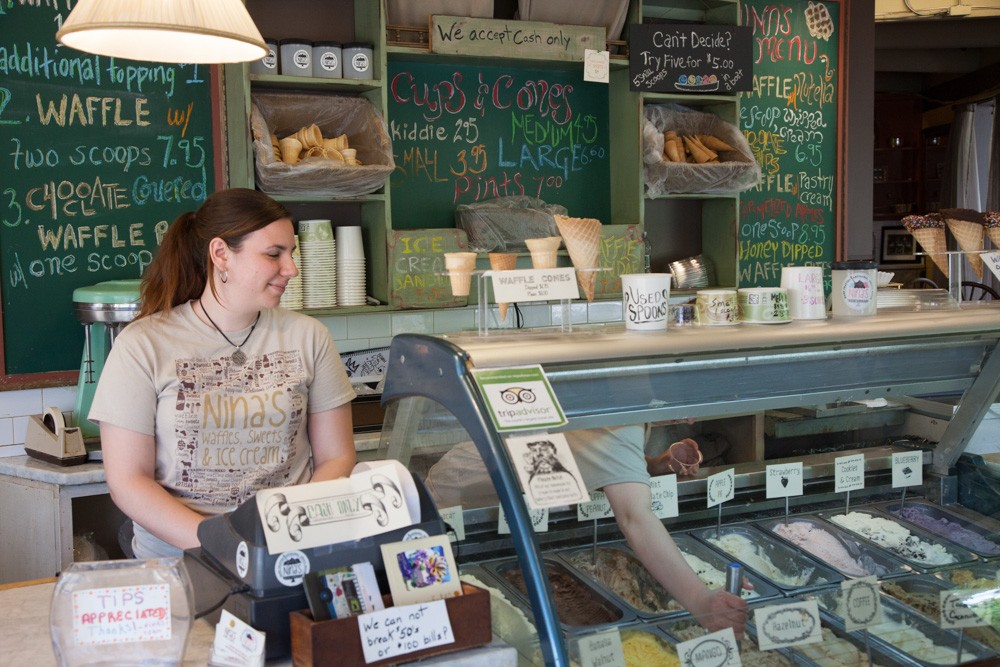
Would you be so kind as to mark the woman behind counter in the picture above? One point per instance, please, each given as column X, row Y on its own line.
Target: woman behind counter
column 214, row 392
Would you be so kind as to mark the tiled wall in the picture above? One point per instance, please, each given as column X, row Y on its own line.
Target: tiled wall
column 351, row 332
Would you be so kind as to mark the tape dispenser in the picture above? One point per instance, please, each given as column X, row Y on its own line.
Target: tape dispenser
column 49, row 439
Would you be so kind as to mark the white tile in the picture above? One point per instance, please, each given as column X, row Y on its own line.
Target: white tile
column 12, row 450
column 422, row 322
column 63, row 398
column 353, row 345
column 20, row 403
column 380, row 342
column 605, row 311
column 578, row 313
column 451, row 320
column 536, row 316
column 20, row 426
column 336, row 325
column 6, row 432
column 369, row 326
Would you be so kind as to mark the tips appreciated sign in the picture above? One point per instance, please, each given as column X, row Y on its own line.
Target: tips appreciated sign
column 686, row 58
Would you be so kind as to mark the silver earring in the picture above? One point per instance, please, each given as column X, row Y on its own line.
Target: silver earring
column 224, row 276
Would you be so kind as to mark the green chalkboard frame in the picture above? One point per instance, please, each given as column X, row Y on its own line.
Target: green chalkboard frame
column 116, row 128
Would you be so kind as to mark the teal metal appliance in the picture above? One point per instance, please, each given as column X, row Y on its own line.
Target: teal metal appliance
column 104, row 309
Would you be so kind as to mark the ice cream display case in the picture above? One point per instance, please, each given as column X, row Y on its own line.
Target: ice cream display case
column 915, row 382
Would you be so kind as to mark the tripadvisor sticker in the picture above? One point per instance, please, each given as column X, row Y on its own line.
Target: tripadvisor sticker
column 519, row 398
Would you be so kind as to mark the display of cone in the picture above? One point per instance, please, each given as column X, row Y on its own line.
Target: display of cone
column 582, row 237
column 460, row 266
column 502, row 261
column 994, row 233
column 969, row 235
column 543, row 251
column 932, row 240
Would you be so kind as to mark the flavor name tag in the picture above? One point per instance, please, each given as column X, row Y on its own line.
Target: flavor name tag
column 907, row 469
column 784, row 480
column 721, row 487
column 525, row 285
column 602, row 649
column 539, row 521
column 598, row 507
column 861, row 604
column 664, row 492
column 788, row 625
column 849, row 473
column 718, row 649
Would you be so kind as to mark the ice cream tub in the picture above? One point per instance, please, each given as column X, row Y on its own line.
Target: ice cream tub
column 579, row 605
column 782, row 566
column 917, row 638
column 839, row 648
column 838, row 548
column 921, row 550
column 685, row 629
column 979, row 535
column 981, row 576
column 922, row 593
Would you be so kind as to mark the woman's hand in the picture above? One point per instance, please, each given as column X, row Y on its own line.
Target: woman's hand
column 723, row 610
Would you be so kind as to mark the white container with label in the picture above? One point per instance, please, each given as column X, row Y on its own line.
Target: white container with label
column 269, row 63
column 854, row 288
column 296, row 57
column 327, row 61
column 358, row 60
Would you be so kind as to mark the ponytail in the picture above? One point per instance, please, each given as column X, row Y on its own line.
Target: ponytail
column 180, row 270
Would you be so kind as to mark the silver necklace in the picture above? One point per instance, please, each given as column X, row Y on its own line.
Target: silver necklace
column 238, row 357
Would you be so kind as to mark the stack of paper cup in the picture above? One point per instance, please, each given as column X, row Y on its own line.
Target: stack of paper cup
column 806, row 299
column 292, row 297
column 460, row 266
column 350, row 267
column 318, row 268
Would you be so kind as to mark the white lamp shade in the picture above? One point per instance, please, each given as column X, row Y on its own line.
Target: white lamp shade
column 166, row 31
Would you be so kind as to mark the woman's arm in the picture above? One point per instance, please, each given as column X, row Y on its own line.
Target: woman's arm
column 129, row 466
column 647, row 535
column 331, row 435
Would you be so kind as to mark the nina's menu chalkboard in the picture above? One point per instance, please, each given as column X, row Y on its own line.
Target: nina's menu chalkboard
column 468, row 133
column 791, row 121
column 99, row 156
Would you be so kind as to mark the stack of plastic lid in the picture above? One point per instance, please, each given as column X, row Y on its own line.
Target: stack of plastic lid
column 692, row 272
column 292, row 298
column 319, row 263
column 350, row 267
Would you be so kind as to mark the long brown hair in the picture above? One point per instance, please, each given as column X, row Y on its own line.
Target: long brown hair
column 180, row 270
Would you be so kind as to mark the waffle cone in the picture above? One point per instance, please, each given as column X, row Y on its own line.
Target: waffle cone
column 994, row 233
column 969, row 235
column 933, row 242
column 502, row 261
column 582, row 237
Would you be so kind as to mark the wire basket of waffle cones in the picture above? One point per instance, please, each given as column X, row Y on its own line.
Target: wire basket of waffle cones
column 929, row 231
column 582, row 237
column 309, row 145
column 966, row 225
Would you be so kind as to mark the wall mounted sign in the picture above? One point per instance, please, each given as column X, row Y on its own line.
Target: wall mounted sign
column 690, row 58
column 531, row 40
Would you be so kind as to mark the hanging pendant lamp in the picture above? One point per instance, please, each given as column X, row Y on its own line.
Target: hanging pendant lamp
column 165, row 31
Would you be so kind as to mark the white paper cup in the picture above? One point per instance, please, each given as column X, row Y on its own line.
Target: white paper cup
column 806, row 299
column 315, row 230
column 645, row 301
column 717, row 307
column 763, row 305
column 349, row 243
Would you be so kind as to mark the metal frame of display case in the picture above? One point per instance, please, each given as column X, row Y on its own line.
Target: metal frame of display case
column 606, row 376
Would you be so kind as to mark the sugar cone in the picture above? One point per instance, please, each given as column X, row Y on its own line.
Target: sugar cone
column 310, row 136
column 543, row 251
column 290, row 150
column 932, row 240
column 502, row 261
column 460, row 266
column 582, row 237
column 969, row 235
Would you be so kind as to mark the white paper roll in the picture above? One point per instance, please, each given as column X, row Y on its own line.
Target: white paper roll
column 54, row 420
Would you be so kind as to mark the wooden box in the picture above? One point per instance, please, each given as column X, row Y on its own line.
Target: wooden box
column 338, row 641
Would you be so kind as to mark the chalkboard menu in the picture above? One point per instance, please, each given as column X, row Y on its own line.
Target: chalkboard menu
column 468, row 133
column 689, row 58
column 790, row 118
column 99, row 156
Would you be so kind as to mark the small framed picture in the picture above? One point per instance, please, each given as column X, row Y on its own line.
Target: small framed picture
column 421, row 570
column 898, row 246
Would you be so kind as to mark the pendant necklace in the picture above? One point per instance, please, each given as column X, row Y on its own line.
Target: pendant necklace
column 238, row 357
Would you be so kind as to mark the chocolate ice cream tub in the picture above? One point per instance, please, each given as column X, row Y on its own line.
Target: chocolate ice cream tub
column 979, row 534
column 922, row 593
column 843, row 551
column 786, row 568
column 912, row 635
column 579, row 604
column 921, row 550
